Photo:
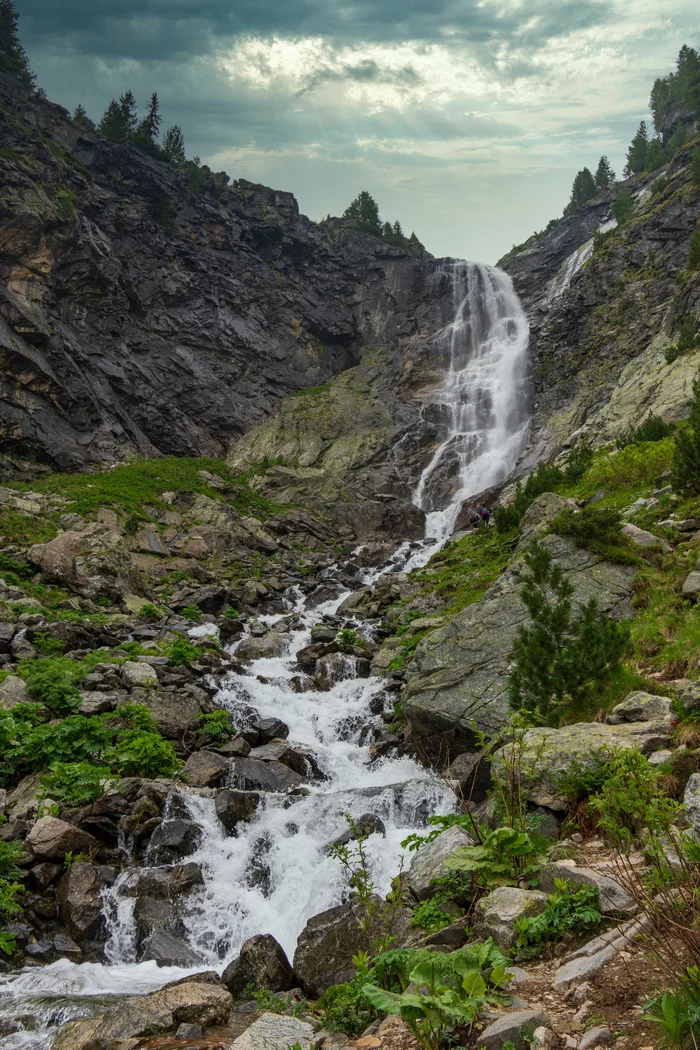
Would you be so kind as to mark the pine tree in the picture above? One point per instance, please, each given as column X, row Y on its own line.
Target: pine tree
column 174, row 145
column 80, row 116
column 127, row 104
column 387, row 230
column 686, row 451
column 564, row 659
column 689, row 79
column 604, row 175
column 582, row 190
column 677, row 140
column 397, row 229
column 365, row 211
column 113, row 124
column 413, row 239
column 656, row 154
column 623, row 207
column 637, row 153
column 13, row 59
column 151, row 122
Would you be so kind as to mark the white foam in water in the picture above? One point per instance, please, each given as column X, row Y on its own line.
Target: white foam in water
column 275, row 873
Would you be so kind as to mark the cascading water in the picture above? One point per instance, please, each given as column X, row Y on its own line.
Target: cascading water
column 276, row 873
column 482, row 407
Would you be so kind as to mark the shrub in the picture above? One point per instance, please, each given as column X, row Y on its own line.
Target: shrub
column 566, row 909
column 347, row 639
column 653, row 429
column 597, row 529
column 634, row 465
column 180, row 652
column 677, row 1012
column 47, row 644
column 686, row 452
column 10, row 889
column 53, row 681
column 688, row 339
column 142, row 753
column 564, row 659
column 504, row 858
column 429, row 916
column 547, row 478
column 216, row 726
column 148, row 611
column 191, row 612
column 74, row 783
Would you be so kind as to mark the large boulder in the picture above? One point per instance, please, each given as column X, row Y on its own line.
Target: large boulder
column 79, row 901
column 192, row 1001
column 515, row 1028
column 548, row 753
column 328, row 942
column 173, row 713
column 51, row 839
column 613, row 899
column 265, row 647
column 458, row 685
column 136, row 675
column 250, row 774
column 233, row 807
column 640, row 707
column 429, row 862
column 12, row 691
column 172, row 840
column 93, row 562
column 275, row 1032
column 497, row 913
column 206, row 769
column 165, row 949
column 261, row 963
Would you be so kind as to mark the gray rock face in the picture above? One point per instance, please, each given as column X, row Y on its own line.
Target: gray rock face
column 206, row 769
column 261, row 963
column 173, row 840
column 93, row 562
column 613, row 899
column 460, row 683
column 250, row 774
column 512, row 1028
column 547, row 753
column 51, row 838
column 642, row 538
column 640, row 707
column 328, row 942
column 496, row 914
column 79, row 901
column 691, row 587
column 207, row 364
column 269, row 645
column 429, row 861
column 691, row 800
column 234, row 806
column 192, row 1001
column 166, row 950
column 275, row 1032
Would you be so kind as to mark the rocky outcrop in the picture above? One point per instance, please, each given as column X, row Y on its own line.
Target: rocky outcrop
column 601, row 318
column 261, row 964
column 458, row 685
column 146, row 309
column 93, row 562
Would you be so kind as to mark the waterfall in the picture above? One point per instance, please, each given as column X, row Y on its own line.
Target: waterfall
column 482, row 406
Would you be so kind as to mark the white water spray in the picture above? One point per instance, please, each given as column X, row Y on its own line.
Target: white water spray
column 482, row 405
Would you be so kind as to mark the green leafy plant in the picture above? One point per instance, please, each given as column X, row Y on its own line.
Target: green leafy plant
column 429, row 915
column 74, row 783
column 48, row 645
column 653, row 429
column 597, row 529
column 53, row 681
column 547, row 478
column 150, row 612
column 566, row 909
column 346, row 639
column 217, row 726
column 677, row 1012
column 10, row 889
column 688, row 339
column 564, row 659
column 191, row 612
column 376, row 916
column 180, row 652
column 686, row 451
column 449, row 990
column 505, row 857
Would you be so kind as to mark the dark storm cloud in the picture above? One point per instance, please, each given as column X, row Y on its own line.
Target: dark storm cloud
column 365, row 72
column 162, row 29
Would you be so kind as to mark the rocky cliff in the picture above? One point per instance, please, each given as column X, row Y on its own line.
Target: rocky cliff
column 603, row 309
column 150, row 309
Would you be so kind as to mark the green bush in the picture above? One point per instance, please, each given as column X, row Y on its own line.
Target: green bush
column 562, row 662
column 52, row 680
column 653, row 429
column 217, row 726
column 10, row 889
column 346, row 640
column 547, row 478
column 677, row 1012
column 180, row 652
column 191, row 612
column 148, row 611
column 429, row 916
column 505, row 857
column 74, row 783
column 19, row 568
column 141, row 753
column 598, row 530
column 48, row 645
column 566, row 909
column 688, row 339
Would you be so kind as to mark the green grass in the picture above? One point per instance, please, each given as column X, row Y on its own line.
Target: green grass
column 313, row 391
column 24, row 529
column 462, row 572
column 143, row 481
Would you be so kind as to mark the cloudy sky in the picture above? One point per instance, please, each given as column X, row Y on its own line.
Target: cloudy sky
column 466, row 119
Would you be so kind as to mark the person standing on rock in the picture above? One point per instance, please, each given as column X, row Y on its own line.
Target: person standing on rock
column 484, row 514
